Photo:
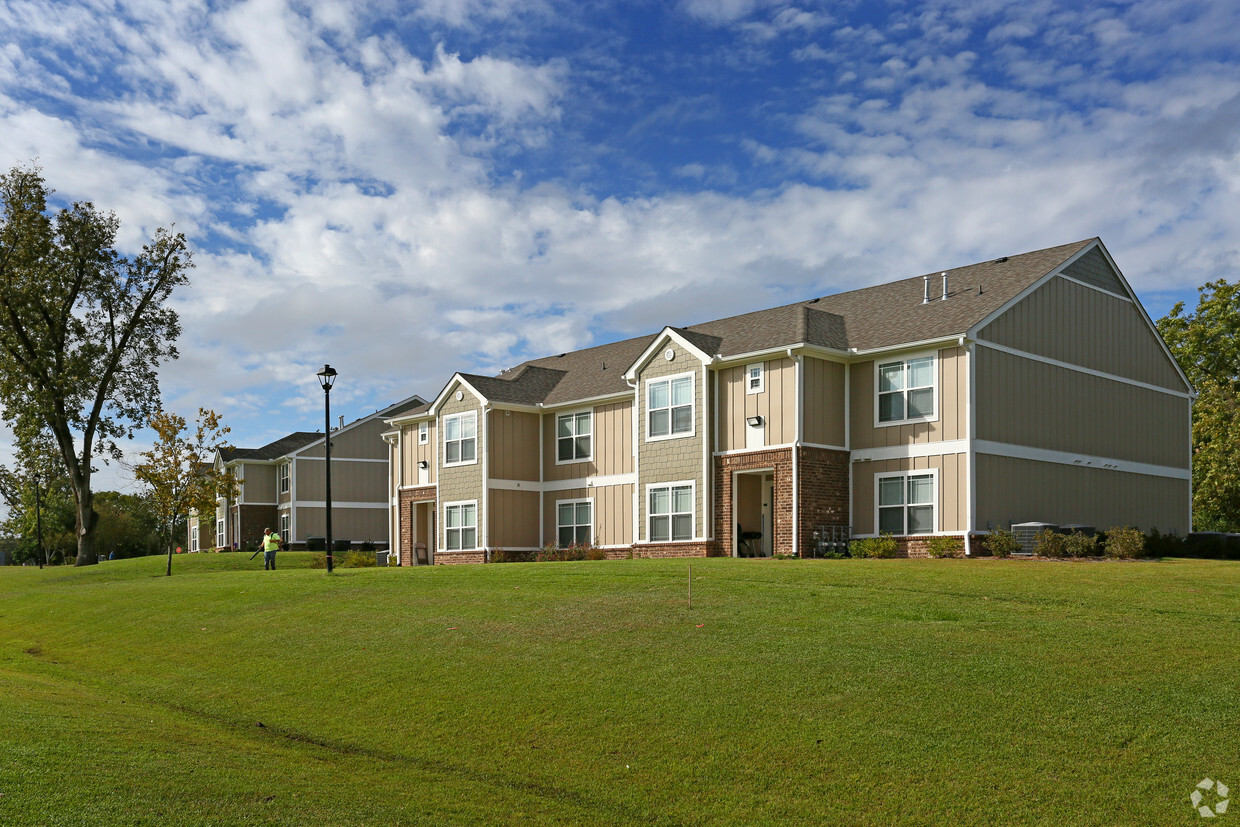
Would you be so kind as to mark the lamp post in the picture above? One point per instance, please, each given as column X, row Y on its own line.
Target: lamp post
column 327, row 377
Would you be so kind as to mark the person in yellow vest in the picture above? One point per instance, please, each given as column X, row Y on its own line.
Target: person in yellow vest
column 271, row 544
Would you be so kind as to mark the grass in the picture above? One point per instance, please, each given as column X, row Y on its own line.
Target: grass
column 851, row 692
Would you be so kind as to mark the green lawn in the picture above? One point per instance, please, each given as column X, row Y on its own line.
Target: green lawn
column 792, row 692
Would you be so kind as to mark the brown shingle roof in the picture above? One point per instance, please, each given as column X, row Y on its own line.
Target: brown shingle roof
column 885, row 315
column 272, row 450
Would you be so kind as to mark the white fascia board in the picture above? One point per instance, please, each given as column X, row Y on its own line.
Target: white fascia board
column 657, row 343
column 921, row 344
column 1023, row 294
column 405, row 419
column 443, row 394
column 580, row 403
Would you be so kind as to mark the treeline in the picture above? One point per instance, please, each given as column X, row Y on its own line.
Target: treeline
column 127, row 526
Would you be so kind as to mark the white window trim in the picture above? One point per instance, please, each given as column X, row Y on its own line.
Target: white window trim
column 692, row 406
column 286, row 474
column 933, row 473
column 457, row 504
column 556, row 435
column 193, row 538
column 444, row 427
column 284, row 526
column 424, row 433
column 575, row 503
column 219, row 534
column 692, row 484
column 761, row 366
column 933, row 356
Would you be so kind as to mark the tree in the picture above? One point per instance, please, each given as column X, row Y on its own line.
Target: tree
column 82, row 329
column 179, row 470
column 37, row 494
column 128, row 525
column 1206, row 343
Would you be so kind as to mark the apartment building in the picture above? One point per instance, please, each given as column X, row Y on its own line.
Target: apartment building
column 1031, row 387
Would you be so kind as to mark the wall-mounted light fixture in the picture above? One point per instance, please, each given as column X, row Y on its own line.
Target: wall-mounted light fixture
column 423, row 464
column 753, row 421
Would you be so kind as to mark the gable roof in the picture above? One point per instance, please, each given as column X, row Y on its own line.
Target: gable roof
column 272, row 450
column 872, row 318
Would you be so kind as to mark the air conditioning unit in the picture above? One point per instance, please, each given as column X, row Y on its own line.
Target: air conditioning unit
column 1026, row 532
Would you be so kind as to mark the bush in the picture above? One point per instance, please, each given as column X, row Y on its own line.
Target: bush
column 500, row 555
column 1124, row 544
column 356, row 560
column 1048, row 543
column 1078, row 544
column 1003, row 543
column 879, row 547
column 552, row 553
column 944, row 547
column 1158, row 544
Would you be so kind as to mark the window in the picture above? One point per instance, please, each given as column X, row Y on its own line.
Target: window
column 424, row 433
column 755, row 378
column 574, row 522
column 461, row 522
column 906, row 390
column 284, row 476
column 460, row 439
column 671, row 512
column 219, row 533
column 573, row 436
column 669, row 407
column 193, row 538
column 284, row 527
column 906, row 503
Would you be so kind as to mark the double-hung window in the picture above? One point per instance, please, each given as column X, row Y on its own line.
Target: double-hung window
column 284, row 528
column 284, row 477
column 906, row 503
column 669, row 407
column 219, row 533
column 460, row 438
column 671, row 512
column 574, row 436
column 574, row 522
column 906, row 389
column 193, row 538
column 461, row 525
column 424, row 431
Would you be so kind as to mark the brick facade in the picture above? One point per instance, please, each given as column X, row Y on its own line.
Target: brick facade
column 780, row 460
column 406, row 499
column 823, row 480
column 659, row 550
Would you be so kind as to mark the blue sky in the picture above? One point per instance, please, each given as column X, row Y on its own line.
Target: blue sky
column 408, row 189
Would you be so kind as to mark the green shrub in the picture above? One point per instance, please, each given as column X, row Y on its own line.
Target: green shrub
column 501, row 555
column 1078, row 544
column 1158, row 544
column 944, row 547
column 355, row 559
column 879, row 547
column 1048, row 543
column 1003, row 543
column 551, row 553
column 1124, row 543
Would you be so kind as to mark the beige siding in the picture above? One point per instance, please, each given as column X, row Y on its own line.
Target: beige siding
column 613, row 513
column 824, row 402
column 415, row 453
column 1026, row 402
column 1072, row 323
column 352, row 481
column 361, row 441
column 776, row 404
column 461, row 483
column 513, row 519
column 953, row 397
column 612, row 444
column 952, row 492
column 1019, row 490
column 357, row 524
column 513, row 441
column 681, row 458
column 260, row 484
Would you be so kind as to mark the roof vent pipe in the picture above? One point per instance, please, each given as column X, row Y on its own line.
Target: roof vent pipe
column 944, row 287
column 925, row 299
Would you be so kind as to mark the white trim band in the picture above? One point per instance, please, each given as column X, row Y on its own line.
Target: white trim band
column 1001, row 449
column 1011, row 351
column 562, row 485
column 916, row 449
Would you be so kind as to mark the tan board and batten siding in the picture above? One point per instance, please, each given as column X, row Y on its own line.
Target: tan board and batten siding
column 355, row 524
column 776, row 404
column 613, row 513
column 823, row 391
column 352, row 481
column 415, row 453
column 952, row 405
column 677, row 459
column 513, row 519
column 259, row 481
column 512, row 439
column 461, row 483
column 1029, row 402
column 612, row 444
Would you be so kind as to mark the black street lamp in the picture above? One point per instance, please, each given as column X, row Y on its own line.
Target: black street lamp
column 327, row 377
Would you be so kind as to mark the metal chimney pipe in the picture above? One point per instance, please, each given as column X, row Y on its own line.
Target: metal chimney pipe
column 925, row 299
column 944, row 287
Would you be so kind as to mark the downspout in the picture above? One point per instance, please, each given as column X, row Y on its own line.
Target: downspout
column 970, row 439
column 485, row 449
column 796, row 456
column 636, row 468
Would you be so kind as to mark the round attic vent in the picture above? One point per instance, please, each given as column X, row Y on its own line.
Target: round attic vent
column 460, row 395
column 669, row 354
